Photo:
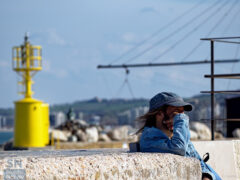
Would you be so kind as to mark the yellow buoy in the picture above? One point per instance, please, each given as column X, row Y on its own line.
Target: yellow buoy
column 31, row 115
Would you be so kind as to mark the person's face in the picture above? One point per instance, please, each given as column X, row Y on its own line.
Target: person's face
column 166, row 118
column 174, row 110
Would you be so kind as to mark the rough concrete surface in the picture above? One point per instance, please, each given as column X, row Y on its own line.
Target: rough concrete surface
column 236, row 152
column 100, row 164
column 224, row 156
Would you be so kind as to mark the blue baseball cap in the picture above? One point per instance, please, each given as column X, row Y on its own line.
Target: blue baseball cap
column 168, row 98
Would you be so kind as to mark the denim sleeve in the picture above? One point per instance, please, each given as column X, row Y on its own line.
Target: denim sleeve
column 161, row 143
column 181, row 135
column 154, row 140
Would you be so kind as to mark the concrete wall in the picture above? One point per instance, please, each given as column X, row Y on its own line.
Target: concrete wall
column 224, row 157
column 98, row 164
column 119, row 164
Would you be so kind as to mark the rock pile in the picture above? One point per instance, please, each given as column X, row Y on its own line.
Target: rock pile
column 200, row 131
column 236, row 133
column 79, row 130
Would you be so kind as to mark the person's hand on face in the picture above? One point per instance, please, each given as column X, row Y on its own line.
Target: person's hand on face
column 206, row 178
column 171, row 112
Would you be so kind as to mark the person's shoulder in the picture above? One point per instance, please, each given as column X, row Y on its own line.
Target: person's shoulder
column 152, row 132
column 150, row 129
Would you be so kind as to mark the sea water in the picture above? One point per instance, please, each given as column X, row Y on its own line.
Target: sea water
column 5, row 136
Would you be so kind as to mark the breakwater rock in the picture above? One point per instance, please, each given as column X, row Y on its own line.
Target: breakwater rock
column 81, row 131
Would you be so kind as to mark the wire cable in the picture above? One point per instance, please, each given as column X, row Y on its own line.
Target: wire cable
column 126, row 82
column 130, row 89
column 120, row 89
column 190, row 32
column 232, row 20
column 157, row 32
column 208, row 34
column 173, row 33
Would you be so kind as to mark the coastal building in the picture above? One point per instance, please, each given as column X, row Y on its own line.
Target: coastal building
column 6, row 122
column 124, row 118
column 128, row 117
column 3, row 122
column 57, row 118
column 80, row 115
column 94, row 120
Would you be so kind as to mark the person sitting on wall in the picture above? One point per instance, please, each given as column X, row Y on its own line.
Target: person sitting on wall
column 166, row 130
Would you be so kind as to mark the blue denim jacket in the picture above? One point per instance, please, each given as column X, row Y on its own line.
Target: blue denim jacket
column 154, row 140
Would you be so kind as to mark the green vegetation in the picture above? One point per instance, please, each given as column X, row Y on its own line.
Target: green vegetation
column 6, row 112
column 101, row 107
column 109, row 110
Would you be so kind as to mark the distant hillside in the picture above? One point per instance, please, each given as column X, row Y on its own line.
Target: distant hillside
column 6, row 111
column 115, row 111
column 111, row 111
column 101, row 106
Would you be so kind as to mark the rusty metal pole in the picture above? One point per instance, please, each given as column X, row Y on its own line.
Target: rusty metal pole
column 212, row 90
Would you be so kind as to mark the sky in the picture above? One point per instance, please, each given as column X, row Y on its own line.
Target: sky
column 78, row 35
